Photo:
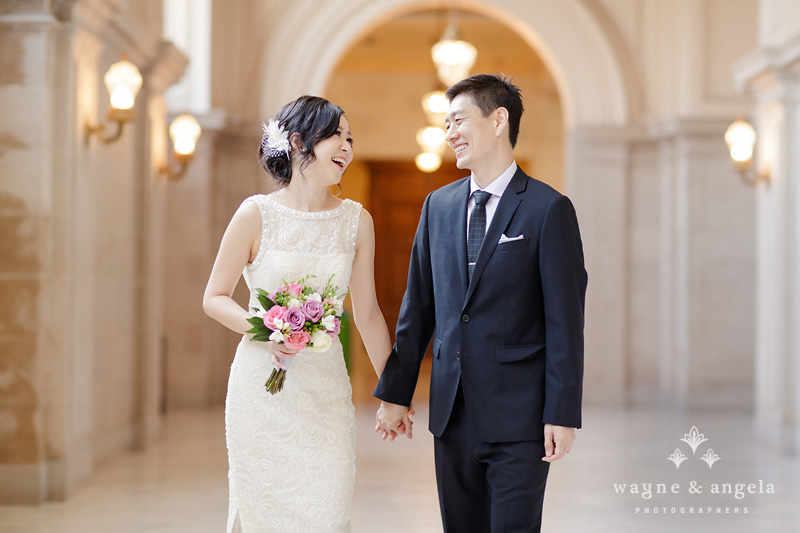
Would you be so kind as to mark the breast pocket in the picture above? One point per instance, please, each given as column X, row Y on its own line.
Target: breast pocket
column 512, row 245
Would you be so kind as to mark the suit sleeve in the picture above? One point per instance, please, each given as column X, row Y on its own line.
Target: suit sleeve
column 415, row 323
column 564, row 281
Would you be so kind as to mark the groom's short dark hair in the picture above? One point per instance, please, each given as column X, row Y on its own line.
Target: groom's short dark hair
column 490, row 91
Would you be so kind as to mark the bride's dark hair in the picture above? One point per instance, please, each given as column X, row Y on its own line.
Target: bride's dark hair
column 313, row 119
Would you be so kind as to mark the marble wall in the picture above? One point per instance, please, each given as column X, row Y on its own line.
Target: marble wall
column 80, row 330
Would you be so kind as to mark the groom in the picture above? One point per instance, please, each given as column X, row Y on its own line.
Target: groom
column 497, row 280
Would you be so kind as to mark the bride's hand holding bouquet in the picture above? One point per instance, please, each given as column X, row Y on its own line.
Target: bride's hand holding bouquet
column 293, row 318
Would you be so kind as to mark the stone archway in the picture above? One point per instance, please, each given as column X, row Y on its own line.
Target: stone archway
column 304, row 50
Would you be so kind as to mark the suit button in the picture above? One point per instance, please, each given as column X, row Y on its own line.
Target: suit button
column 458, row 356
column 465, row 318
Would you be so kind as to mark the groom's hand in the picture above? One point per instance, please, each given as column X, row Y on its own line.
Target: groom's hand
column 558, row 441
column 394, row 420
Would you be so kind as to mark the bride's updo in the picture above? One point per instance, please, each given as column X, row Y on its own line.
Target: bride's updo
column 313, row 119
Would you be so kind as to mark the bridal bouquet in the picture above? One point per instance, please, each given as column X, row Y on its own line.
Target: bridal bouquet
column 299, row 317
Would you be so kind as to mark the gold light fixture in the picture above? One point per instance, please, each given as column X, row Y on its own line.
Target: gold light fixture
column 428, row 162
column 184, row 132
column 453, row 57
column 431, row 139
column 123, row 81
column 435, row 106
column 741, row 140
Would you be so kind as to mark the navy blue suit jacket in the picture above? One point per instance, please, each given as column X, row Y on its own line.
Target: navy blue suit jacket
column 513, row 335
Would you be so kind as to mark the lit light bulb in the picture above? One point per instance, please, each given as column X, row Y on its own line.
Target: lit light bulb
column 123, row 82
column 741, row 140
column 431, row 139
column 435, row 106
column 428, row 162
column 184, row 132
column 453, row 57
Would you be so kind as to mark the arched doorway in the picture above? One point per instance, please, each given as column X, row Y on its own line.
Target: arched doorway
column 379, row 81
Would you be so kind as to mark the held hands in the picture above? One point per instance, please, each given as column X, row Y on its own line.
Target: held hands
column 393, row 420
column 558, row 441
column 280, row 353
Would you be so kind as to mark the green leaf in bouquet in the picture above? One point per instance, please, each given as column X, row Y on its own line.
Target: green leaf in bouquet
column 258, row 326
column 264, row 300
column 260, row 337
column 256, row 321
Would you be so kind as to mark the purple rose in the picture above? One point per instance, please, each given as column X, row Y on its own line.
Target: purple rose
column 313, row 310
column 295, row 318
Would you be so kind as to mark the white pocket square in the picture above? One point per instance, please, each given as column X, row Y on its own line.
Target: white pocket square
column 504, row 238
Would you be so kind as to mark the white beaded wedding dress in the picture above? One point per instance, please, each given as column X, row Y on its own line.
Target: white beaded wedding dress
column 292, row 455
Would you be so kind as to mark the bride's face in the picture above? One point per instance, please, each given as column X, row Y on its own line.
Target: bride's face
column 333, row 155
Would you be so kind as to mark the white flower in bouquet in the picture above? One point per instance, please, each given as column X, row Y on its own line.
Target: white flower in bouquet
column 294, row 302
column 320, row 341
column 315, row 296
column 329, row 322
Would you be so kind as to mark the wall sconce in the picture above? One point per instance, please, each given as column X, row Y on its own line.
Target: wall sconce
column 184, row 132
column 741, row 140
column 123, row 82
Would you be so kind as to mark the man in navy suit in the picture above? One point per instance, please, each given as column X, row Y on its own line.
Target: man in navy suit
column 497, row 280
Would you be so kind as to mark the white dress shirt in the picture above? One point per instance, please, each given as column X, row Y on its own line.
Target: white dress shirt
column 495, row 188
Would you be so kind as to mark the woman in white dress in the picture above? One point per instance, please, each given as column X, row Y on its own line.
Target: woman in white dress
column 292, row 454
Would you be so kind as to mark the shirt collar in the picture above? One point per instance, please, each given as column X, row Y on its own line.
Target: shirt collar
column 498, row 186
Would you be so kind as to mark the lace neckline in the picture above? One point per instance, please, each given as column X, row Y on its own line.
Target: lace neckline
column 307, row 214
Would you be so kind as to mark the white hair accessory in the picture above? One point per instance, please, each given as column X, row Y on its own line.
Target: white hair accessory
column 275, row 140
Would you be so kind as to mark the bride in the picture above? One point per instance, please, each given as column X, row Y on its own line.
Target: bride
column 292, row 454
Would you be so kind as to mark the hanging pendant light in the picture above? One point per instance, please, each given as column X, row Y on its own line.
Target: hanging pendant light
column 453, row 57
column 435, row 106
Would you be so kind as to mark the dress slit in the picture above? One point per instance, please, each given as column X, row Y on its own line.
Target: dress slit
column 237, row 524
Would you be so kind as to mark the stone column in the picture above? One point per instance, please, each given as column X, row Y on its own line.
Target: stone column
column 26, row 89
column 80, row 271
column 772, row 75
column 597, row 183
column 705, row 269
column 668, row 238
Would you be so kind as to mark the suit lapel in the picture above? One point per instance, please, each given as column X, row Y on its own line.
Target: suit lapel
column 458, row 212
column 508, row 205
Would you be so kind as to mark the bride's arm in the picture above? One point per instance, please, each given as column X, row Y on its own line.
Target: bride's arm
column 235, row 251
column 366, row 313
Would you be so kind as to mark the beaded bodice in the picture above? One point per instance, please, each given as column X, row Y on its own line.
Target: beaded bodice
column 319, row 244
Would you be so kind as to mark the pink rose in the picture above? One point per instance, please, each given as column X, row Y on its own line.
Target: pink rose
column 336, row 326
column 297, row 341
column 294, row 290
column 276, row 311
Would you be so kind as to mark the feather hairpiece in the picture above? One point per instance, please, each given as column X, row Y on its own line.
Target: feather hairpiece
column 275, row 140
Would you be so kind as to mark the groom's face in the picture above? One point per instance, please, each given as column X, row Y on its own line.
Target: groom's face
column 471, row 135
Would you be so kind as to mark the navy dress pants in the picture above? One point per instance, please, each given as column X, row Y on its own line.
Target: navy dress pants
column 488, row 486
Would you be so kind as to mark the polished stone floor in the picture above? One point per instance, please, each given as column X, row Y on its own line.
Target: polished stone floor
column 180, row 484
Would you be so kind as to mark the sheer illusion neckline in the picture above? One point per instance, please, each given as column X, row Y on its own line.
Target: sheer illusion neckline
column 307, row 214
